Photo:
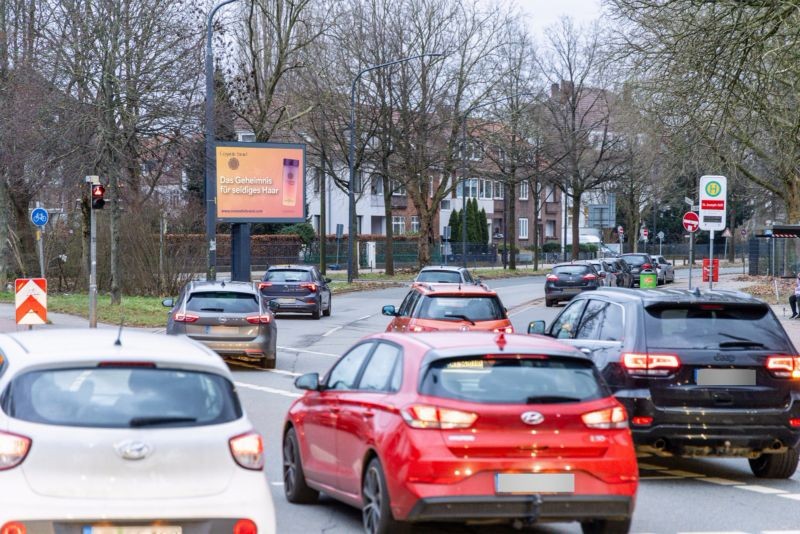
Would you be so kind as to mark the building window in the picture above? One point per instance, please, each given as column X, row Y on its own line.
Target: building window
column 414, row 224
column 523, row 190
column 472, row 188
column 317, row 179
column 523, row 228
column 486, row 189
column 398, row 189
column 550, row 231
column 398, row 225
column 247, row 138
column 317, row 223
column 446, row 204
column 499, row 190
column 474, row 151
column 376, row 184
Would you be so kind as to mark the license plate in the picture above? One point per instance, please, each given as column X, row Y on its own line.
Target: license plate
column 285, row 301
column 534, row 483
column 725, row 377
column 220, row 329
column 133, row 530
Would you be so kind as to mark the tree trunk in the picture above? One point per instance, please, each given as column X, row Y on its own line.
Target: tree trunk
column 5, row 268
column 425, row 236
column 86, row 213
column 27, row 243
column 576, row 212
column 512, row 224
column 792, row 200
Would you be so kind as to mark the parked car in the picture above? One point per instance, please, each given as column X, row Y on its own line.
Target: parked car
column 445, row 274
column 567, row 280
column 124, row 431
column 230, row 318
column 639, row 263
column 666, row 272
column 622, row 271
column 440, row 427
column 431, row 307
column 297, row 289
column 608, row 278
column 700, row 373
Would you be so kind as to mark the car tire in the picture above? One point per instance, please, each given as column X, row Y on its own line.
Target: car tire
column 606, row 526
column 294, row 480
column 377, row 510
column 781, row 465
column 315, row 314
column 548, row 303
column 327, row 312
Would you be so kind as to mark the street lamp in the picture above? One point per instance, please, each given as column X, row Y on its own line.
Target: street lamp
column 210, row 181
column 351, row 238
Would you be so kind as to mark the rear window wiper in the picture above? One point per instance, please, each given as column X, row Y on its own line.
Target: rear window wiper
column 551, row 399
column 459, row 316
column 213, row 309
column 162, row 420
column 742, row 343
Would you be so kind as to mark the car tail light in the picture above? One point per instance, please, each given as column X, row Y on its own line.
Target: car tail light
column 423, row 416
column 504, row 330
column 13, row 450
column 185, row 318
column 551, row 278
column 259, row 319
column 309, row 286
column 646, row 266
column 784, row 366
column 245, row 526
column 590, row 276
column 126, row 364
column 642, row 420
column 650, row 364
column 418, row 329
column 248, row 450
column 13, row 528
column 794, row 422
column 262, row 285
column 606, row 419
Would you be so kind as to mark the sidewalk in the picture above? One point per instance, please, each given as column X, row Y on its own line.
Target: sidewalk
column 55, row 320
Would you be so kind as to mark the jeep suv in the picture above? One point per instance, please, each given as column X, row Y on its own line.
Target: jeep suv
column 700, row 373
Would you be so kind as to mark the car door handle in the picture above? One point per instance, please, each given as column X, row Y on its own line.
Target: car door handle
column 368, row 414
column 586, row 350
column 334, row 409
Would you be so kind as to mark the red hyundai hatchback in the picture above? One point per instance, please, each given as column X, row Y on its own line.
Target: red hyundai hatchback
column 475, row 428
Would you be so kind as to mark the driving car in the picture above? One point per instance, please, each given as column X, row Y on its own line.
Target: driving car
column 432, row 307
column 107, row 430
column 666, row 272
column 230, row 318
column 701, row 373
column 569, row 279
column 297, row 289
column 639, row 263
column 445, row 274
column 477, row 428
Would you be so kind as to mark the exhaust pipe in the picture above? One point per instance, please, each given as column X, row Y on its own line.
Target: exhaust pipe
column 660, row 444
column 776, row 445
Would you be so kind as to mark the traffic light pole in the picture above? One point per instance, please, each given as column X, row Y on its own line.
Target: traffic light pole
column 92, row 256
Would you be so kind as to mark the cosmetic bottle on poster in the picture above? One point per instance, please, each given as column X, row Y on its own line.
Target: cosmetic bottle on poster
column 290, row 171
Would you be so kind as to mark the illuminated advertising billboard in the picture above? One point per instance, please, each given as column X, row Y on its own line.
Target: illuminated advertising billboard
column 261, row 182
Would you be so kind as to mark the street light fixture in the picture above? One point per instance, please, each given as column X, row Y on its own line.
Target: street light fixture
column 210, row 181
column 351, row 238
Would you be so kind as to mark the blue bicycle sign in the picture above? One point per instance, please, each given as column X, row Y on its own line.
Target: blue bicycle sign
column 39, row 216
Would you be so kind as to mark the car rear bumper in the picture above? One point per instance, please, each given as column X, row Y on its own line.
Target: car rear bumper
column 298, row 306
column 525, row 507
column 257, row 348
column 565, row 293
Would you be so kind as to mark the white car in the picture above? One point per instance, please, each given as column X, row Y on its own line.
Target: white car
column 666, row 272
column 145, row 435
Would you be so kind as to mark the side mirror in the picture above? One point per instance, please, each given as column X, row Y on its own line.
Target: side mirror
column 308, row 381
column 272, row 305
column 328, row 280
column 168, row 303
column 389, row 310
column 536, row 327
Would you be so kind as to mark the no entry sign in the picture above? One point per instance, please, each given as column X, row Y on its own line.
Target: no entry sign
column 691, row 222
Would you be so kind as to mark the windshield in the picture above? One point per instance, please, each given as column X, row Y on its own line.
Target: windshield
column 121, row 397
column 513, row 379
column 572, row 269
column 222, row 302
column 636, row 260
column 288, row 275
column 714, row 326
column 441, row 277
column 461, row 308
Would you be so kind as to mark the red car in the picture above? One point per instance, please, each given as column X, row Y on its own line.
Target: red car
column 474, row 428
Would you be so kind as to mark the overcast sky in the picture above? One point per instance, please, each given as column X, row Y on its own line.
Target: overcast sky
column 543, row 13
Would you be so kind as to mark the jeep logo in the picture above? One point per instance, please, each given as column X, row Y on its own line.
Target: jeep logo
column 729, row 358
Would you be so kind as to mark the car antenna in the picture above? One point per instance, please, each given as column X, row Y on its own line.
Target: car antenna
column 118, row 342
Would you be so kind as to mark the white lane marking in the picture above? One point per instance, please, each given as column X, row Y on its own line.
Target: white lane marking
column 781, row 531
column 282, row 372
column 365, row 317
column 293, row 349
column 266, row 389
column 517, row 312
column 761, row 489
column 679, row 473
column 793, row 496
column 277, row 483
column 258, row 368
column 720, row 481
column 332, row 330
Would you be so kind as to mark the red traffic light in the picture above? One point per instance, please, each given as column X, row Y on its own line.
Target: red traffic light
column 98, row 192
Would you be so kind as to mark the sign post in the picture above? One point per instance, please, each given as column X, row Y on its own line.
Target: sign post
column 39, row 217
column 621, row 233
column 713, row 211
column 660, row 236
column 691, row 222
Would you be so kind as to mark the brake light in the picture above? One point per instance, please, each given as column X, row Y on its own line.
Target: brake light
column 551, row 278
column 590, row 276
column 650, row 364
column 126, row 364
column 423, row 416
column 245, row 526
column 13, row 528
column 606, row 419
column 784, row 366
column 794, row 422
column 259, row 319
column 248, row 450
column 311, row 287
column 646, row 266
column 642, row 420
column 13, row 450
column 504, row 330
column 418, row 329
column 185, row 318
column 262, row 285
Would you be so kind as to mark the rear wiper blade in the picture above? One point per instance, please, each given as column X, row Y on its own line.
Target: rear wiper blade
column 213, row 309
column 550, row 399
column 163, row 420
column 458, row 316
column 742, row 343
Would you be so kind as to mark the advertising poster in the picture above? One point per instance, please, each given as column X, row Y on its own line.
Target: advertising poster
column 260, row 182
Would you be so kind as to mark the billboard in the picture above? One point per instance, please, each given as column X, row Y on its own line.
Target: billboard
column 261, row 182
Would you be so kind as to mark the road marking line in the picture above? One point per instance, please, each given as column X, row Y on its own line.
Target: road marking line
column 277, row 483
column 793, row 496
column 684, row 474
column 720, row 481
column 652, row 467
column 332, row 330
column 282, row 372
column 266, row 389
column 718, row 532
column 761, row 489
column 292, row 349
column 781, row 531
column 365, row 317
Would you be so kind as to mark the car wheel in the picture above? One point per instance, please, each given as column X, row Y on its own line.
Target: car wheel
column 315, row 314
column 548, row 303
column 606, row 526
column 294, row 481
column 377, row 510
column 327, row 312
column 781, row 465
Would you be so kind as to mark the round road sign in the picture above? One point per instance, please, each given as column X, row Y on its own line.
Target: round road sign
column 39, row 216
column 691, row 222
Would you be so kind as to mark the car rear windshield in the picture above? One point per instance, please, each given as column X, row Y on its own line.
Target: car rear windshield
column 121, row 397
column 636, row 260
column 441, row 277
column 714, row 326
column 513, row 379
column 461, row 308
column 288, row 275
column 222, row 302
column 572, row 269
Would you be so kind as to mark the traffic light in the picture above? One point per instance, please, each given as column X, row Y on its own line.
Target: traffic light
column 98, row 191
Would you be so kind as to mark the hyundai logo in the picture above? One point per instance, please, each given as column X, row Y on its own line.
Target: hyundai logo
column 532, row 418
column 133, row 450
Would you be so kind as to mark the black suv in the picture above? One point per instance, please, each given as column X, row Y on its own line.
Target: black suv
column 639, row 262
column 700, row 373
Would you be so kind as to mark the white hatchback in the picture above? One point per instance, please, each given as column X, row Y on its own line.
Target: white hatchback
column 137, row 433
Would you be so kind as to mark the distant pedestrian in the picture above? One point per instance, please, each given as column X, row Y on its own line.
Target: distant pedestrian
column 793, row 298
